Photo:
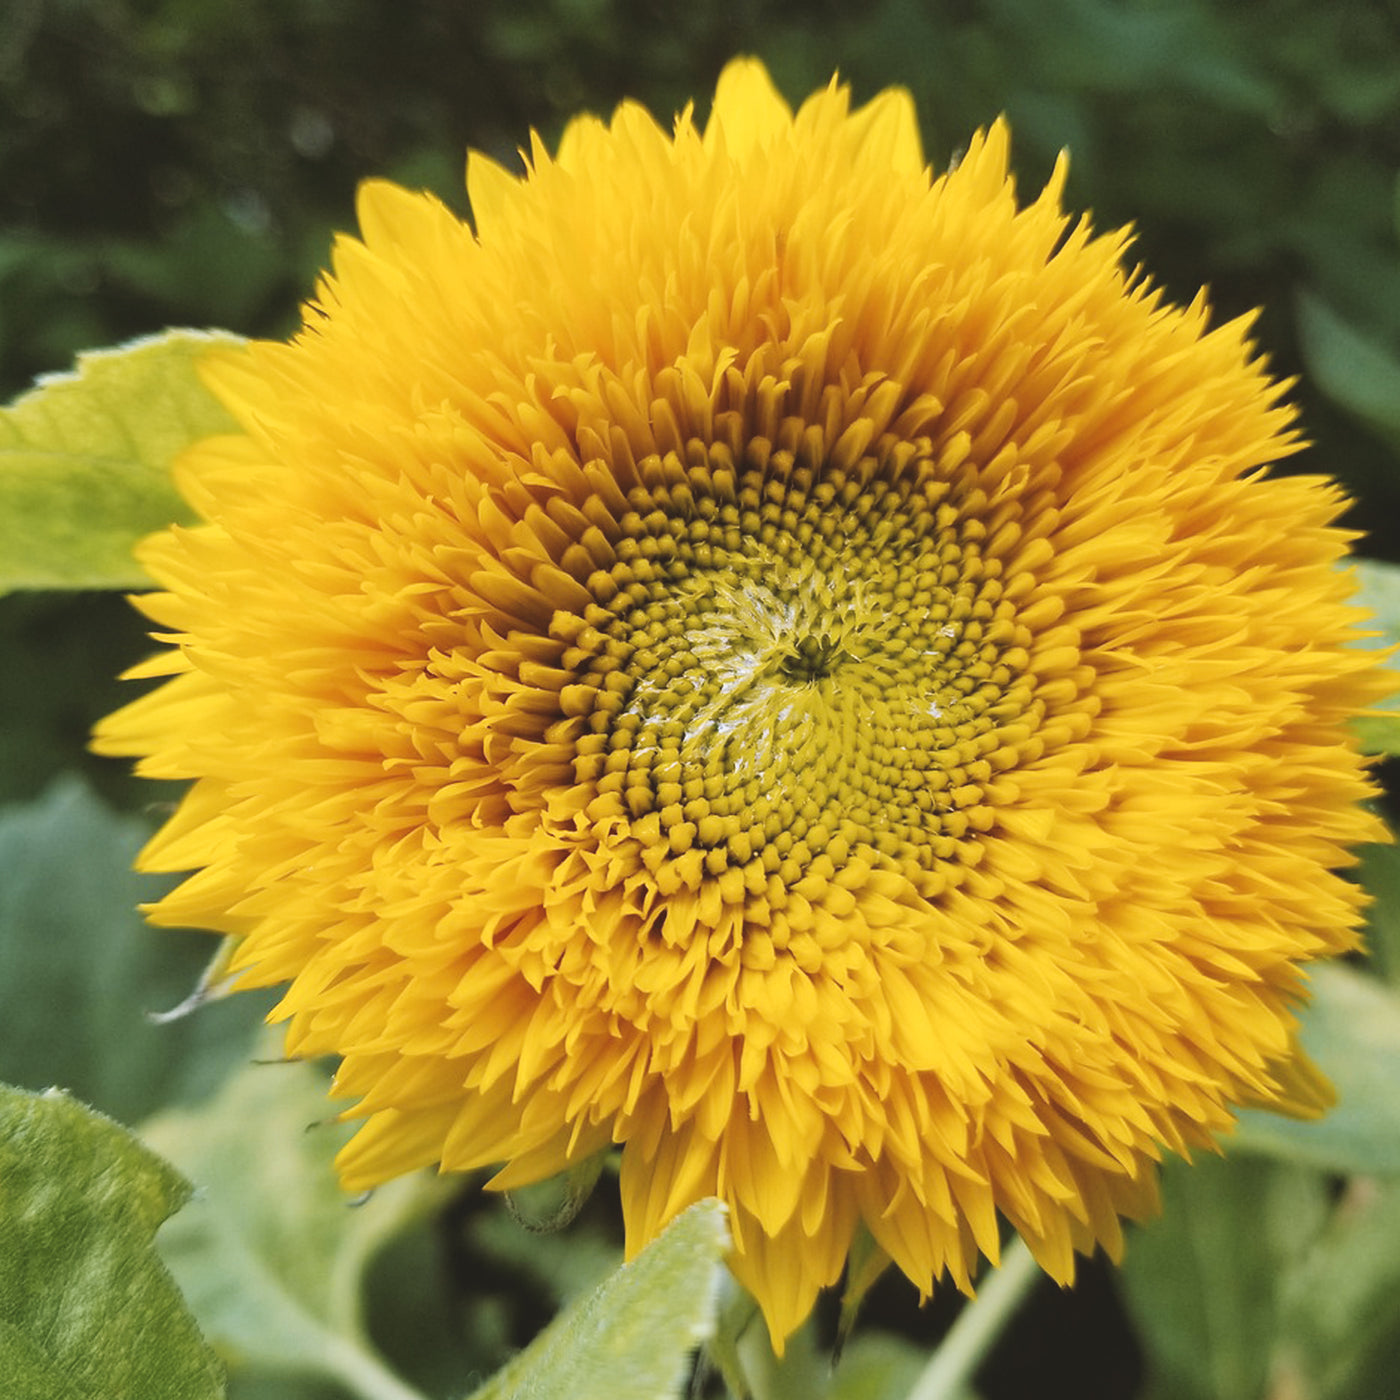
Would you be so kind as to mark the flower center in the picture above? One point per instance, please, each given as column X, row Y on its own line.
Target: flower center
column 812, row 658
column 791, row 661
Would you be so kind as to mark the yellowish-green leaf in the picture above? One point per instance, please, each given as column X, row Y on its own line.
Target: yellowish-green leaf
column 85, row 461
column 86, row 1308
column 632, row 1337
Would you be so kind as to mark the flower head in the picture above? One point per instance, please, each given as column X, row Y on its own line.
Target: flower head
column 773, row 659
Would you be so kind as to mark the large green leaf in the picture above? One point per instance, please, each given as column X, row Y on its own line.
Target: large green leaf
column 79, row 969
column 85, row 461
column 1341, row 1319
column 86, row 1308
column 1204, row 1282
column 1260, row 1282
column 630, row 1339
column 1352, row 1030
column 1354, row 369
column 272, row 1254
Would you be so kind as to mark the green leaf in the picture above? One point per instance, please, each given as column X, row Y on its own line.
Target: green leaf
column 1354, row 370
column 1380, row 877
column 79, row 968
column 272, row 1255
column 85, row 461
column 269, row 1385
column 25, row 1370
column 507, row 1280
column 1379, row 592
column 873, row 1366
column 1203, row 1283
column 1352, row 1030
column 877, row 1366
column 737, row 1317
column 803, row 1372
column 868, row 1366
column 629, row 1340
column 1341, row 1323
column 865, row 1264
column 86, row 1308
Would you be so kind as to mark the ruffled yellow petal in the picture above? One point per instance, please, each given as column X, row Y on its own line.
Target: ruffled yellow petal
column 777, row 660
column 748, row 113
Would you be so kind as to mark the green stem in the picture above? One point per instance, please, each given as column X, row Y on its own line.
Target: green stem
column 950, row 1369
column 364, row 1375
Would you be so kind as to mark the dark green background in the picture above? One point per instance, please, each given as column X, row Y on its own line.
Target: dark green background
column 183, row 162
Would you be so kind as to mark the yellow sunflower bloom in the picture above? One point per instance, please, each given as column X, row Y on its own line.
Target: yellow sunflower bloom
column 777, row 660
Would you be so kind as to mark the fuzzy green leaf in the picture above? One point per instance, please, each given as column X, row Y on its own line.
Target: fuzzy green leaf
column 1352, row 1030
column 272, row 1254
column 85, row 461
column 25, row 1370
column 86, row 1308
column 629, row 1339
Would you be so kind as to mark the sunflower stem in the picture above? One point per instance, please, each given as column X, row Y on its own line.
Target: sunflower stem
column 364, row 1375
column 950, row 1369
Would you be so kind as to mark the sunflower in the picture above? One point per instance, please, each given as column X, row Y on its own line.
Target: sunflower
column 760, row 655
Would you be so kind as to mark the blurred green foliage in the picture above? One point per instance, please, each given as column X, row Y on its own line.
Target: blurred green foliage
column 184, row 161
